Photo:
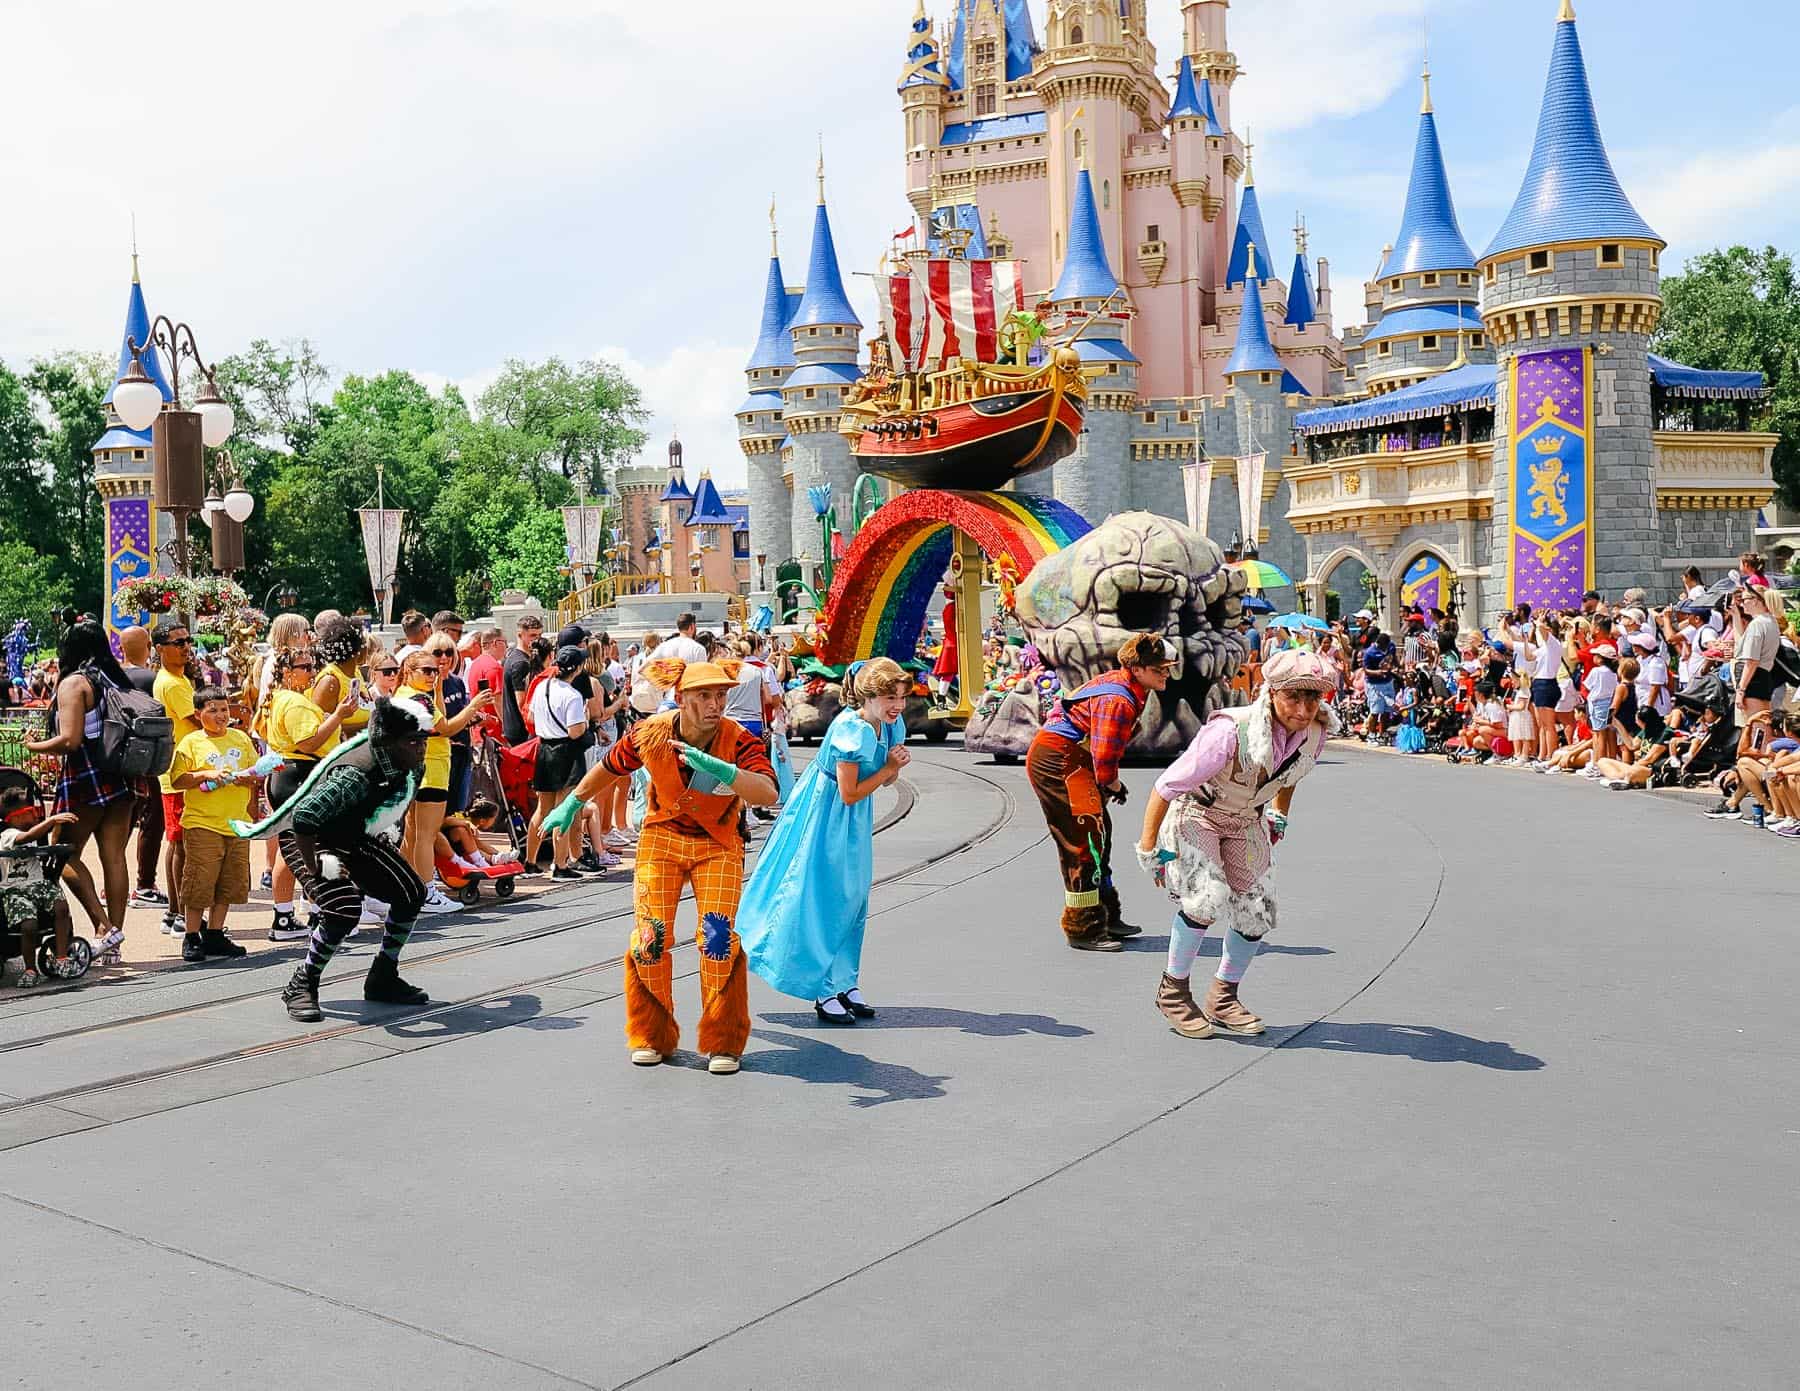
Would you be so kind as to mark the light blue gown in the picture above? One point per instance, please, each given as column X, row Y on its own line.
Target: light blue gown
column 802, row 915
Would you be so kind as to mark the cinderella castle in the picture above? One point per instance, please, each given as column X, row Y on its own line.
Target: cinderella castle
column 1498, row 432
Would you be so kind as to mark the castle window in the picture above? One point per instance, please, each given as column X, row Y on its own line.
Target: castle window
column 810, row 393
column 1080, row 146
column 1493, row 271
column 1429, row 279
column 1465, row 279
column 1428, row 343
column 1654, row 259
column 1266, row 377
column 138, row 455
column 1149, row 417
column 984, row 51
column 1393, row 284
column 1106, row 193
column 1153, row 232
column 1478, row 340
column 987, row 100
column 1540, row 261
column 1384, row 348
column 1610, row 256
column 1076, row 36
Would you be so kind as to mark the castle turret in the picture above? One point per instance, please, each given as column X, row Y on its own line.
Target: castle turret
column 1570, row 296
column 1191, row 122
column 760, row 427
column 1094, row 482
column 824, row 331
column 1249, row 234
column 922, row 87
column 122, row 470
column 1303, row 306
column 1427, row 319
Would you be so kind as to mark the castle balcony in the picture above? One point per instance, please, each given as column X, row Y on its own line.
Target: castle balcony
column 1703, row 470
column 1378, row 495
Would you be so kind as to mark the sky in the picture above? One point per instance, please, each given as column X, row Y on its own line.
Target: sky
column 441, row 185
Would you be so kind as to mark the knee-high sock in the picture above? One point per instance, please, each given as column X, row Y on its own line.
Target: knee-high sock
column 1185, row 937
column 1235, row 956
column 393, row 939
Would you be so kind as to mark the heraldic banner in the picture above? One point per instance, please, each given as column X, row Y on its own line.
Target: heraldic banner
column 1552, row 479
column 1422, row 586
column 130, row 548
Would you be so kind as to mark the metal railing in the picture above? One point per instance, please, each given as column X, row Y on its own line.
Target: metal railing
column 18, row 724
column 602, row 593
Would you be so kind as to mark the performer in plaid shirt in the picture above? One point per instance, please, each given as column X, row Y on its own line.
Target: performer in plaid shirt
column 1073, row 765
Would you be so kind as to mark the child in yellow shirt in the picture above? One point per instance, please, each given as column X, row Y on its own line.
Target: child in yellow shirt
column 215, row 769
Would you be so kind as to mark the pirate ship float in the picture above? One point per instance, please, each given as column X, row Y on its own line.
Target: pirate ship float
column 959, row 394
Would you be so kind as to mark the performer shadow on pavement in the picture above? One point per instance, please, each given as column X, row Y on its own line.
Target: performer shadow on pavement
column 1421, row 1042
column 481, row 1017
column 1210, row 947
column 809, row 1059
column 970, row 1022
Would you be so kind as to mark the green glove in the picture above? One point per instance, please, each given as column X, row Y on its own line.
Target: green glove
column 717, row 769
column 563, row 816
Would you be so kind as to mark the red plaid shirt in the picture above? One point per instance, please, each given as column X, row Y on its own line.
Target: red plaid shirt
column 1108, row 721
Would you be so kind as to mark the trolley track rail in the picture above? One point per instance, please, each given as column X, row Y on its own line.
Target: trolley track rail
column 349, row 1029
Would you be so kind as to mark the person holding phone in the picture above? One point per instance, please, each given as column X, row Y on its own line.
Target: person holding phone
column 294, row 727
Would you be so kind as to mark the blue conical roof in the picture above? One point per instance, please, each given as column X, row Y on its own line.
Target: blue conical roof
column 1430, row 236
column 1570, row 192
column 1085, row 272
column 137, row 325
column 1254, row 352
column 922, row 68
column 677, row 491
column 1194, row 101
column 709, row 508
column 824, row 301
column 774, row 345
column 1249, row 232
column 1021, row 42
column 1302, row 306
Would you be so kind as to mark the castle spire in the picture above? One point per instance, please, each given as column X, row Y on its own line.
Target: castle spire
column 1570, row 192
column 1425, row 82
column 1249, row 238
column 1086, row 273
column 774, row 345
column 1302, row 304
column 1254, row 352
column 137, row 327
column 1430, row 239
column 824, row 301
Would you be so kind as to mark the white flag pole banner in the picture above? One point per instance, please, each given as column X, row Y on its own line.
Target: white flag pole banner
column 1196, row 479
column 381, row 547
column 584, row 529
column 1250, row 500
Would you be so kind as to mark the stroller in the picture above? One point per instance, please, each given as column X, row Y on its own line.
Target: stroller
column 503, row 777
column 53, row 858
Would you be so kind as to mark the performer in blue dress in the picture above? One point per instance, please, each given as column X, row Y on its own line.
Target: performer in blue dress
column 802, row 915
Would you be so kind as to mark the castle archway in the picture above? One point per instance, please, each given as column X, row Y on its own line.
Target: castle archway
column 1341, row 573
column 1421, row 578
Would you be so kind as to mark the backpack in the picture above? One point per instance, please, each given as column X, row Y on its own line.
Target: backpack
column 136, row 740
column 1786, row 669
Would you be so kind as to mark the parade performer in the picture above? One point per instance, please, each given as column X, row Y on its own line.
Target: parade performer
column 703, row 770
column 338, row 834
column 1230, row 792
column 807, row 903
column 1073, row 764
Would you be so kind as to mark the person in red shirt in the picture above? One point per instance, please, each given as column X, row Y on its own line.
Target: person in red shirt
column 1073, row 765
column 484, row 674
column 703, row 770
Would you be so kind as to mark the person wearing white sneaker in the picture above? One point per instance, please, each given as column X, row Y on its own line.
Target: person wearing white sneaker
column 436, row 902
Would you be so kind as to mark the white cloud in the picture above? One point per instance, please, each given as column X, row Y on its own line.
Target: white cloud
column 1714, row 197
column 693, row 390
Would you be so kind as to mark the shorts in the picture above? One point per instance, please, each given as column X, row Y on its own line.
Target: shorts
column 1380, row 696
column 1599, row 714
column 33, row 898
column 432, row 794
column 217, row 869
column 559, row 765
column 1760, row 686
column 1546, row 693
column 172, row 805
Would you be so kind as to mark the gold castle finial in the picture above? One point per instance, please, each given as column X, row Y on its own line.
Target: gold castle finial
column 1566, row 12
column 1300, row 233
column 134, row 266
column 1425, row 80
column 821, row 167
column 1249, row 153
column 1250, row 261
column 774, row 236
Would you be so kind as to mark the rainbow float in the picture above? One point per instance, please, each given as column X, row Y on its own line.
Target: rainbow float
column 883, row 589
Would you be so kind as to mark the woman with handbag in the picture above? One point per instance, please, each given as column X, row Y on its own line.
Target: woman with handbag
column 559, row 714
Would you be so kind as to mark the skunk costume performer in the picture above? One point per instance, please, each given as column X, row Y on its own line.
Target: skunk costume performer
column 704, row 769
column 1210, row 828
column 338, row 834
column 1073, row 765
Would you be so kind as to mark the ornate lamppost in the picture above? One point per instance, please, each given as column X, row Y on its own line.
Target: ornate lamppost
column 179, row 437
column 228, row 506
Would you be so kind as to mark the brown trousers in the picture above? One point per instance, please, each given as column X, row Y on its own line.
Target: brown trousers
column 1062, row 775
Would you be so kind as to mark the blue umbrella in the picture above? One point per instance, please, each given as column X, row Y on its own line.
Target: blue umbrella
column 1255, row 603
column 1300, row 622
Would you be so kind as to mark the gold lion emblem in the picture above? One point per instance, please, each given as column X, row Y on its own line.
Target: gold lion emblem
column 1549, row 492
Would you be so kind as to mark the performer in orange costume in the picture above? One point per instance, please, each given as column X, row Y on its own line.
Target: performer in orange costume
column 703, row 770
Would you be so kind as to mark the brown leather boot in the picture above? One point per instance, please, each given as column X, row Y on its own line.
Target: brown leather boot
column 1176, row 1000
column 1226, row 1014
column 1086, row 929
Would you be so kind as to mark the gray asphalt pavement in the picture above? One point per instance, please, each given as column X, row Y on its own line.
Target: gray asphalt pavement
column 1525, row 1112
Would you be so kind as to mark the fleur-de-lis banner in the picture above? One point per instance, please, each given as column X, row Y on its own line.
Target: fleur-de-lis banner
column 1196, row 483
column 1552, row 480
column 130, row 548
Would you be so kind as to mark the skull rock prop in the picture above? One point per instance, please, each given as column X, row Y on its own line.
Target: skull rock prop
column 1141, row 573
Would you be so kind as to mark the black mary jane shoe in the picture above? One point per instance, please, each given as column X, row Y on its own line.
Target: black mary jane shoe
column 860, row 1011
column 837, row 1021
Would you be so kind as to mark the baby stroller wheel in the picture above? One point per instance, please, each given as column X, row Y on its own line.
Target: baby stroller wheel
column 470, row 892
column 81, row 957
column 503, row 888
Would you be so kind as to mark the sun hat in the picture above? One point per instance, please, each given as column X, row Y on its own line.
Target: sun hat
column 1604, row 649
column 673, row 674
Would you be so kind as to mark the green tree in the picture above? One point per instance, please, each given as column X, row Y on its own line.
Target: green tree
column 71, row 388
column 571, row 421
column 531, row 554
column 28, row 511
column 1739, row 310
column 31, row 589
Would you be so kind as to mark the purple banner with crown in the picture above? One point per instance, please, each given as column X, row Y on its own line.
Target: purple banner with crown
column 1552, row 479
column 130, row 548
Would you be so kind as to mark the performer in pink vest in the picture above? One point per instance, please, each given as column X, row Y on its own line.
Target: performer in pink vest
column 1229, row 794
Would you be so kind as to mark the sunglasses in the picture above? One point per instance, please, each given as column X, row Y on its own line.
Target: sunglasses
column 385, row 671
column 176, row 642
